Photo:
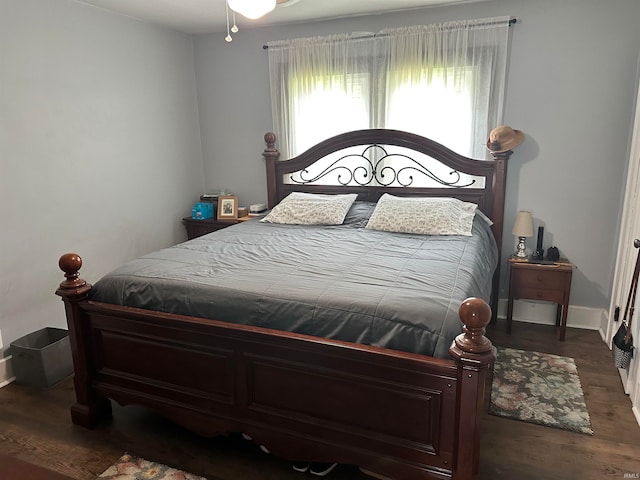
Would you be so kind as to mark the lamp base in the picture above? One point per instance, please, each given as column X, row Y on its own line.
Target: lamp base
column 521, row 249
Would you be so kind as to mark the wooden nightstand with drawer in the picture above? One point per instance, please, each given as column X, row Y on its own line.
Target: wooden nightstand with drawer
column 197, row 228
column 540, row 281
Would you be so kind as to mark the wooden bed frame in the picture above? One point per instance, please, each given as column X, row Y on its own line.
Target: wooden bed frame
column 401, row 415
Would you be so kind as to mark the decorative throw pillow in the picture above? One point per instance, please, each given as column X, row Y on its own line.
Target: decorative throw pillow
column 299, row 208
column 427, row 216
column 484, row 218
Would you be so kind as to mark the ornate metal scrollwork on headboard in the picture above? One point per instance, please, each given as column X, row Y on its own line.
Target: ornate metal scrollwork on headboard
column 375, row 165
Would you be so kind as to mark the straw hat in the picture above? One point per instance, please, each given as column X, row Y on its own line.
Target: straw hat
column 504, row 138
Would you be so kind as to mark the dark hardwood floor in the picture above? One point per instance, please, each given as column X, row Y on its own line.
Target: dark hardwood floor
column 35, row 426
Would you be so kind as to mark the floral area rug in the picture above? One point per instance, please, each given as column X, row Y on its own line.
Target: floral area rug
column 129, row 467
column 539, row 388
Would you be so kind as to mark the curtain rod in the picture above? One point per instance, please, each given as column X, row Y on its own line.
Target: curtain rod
column 511, row 22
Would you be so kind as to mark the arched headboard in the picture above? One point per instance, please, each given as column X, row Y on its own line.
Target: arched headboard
column 486, row 189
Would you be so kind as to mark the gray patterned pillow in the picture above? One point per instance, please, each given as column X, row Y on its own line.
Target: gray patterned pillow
column 427, row 216
column 299, row 208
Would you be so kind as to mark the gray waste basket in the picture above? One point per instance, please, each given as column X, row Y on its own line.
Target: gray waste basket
column 42, row 358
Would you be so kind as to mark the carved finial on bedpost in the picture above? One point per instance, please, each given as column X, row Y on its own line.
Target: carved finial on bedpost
column 501, row 155
column 73, row 286
column 271, row 155
column 475, row 315
column 270, row 140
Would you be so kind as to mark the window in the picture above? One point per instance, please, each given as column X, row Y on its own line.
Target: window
column 441, row 81
column 435, row 106
column 329, row 105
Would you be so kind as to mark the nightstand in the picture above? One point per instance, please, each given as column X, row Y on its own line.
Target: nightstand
column 545, row 282
column 197, row 228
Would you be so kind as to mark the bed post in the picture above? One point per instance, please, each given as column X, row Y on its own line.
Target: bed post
column 89, row 408
column 271, row 155
column 499, row 194
column 474, row 355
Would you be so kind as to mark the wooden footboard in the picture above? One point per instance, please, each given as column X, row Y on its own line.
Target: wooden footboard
column 402, row 415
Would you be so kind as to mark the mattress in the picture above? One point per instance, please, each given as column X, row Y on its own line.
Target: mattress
column 392, row 290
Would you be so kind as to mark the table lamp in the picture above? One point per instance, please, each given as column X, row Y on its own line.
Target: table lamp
column 522, row 228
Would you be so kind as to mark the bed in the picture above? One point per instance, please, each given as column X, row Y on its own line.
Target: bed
column 311, row 339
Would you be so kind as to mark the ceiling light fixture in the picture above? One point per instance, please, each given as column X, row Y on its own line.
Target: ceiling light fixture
column 252, row 8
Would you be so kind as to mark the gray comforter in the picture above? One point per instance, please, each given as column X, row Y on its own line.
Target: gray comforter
column 398, row 291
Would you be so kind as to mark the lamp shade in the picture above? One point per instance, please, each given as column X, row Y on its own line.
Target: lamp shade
column 252, row 8
column 523, row 226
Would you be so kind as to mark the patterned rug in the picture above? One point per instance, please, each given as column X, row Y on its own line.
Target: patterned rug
column 539, row 388
column 129, row 467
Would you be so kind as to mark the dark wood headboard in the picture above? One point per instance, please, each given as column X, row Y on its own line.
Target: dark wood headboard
column 489, row 197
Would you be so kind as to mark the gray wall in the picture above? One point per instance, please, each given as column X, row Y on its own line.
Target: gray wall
column 571, row 88
column 99, row 148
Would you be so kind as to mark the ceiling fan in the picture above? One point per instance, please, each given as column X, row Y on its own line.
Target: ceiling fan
column 251, row 9
column 256, row 8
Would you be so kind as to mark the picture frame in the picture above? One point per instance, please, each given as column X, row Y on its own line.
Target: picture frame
column 227, row 207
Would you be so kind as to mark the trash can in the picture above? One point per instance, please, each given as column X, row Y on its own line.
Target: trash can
column 42, row 358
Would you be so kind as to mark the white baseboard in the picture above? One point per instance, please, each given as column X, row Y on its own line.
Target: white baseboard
column 6, row 372
column 544, row 313
column 603, row 336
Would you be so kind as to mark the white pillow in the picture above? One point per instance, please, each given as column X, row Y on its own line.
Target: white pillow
column 426, row 216
column 484, row 218
column 299, row 208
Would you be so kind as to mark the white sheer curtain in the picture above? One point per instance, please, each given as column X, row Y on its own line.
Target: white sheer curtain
column 442, row 81
column 320, row 87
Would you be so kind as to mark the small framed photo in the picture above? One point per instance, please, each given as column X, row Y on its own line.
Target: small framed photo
column 227, row 207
